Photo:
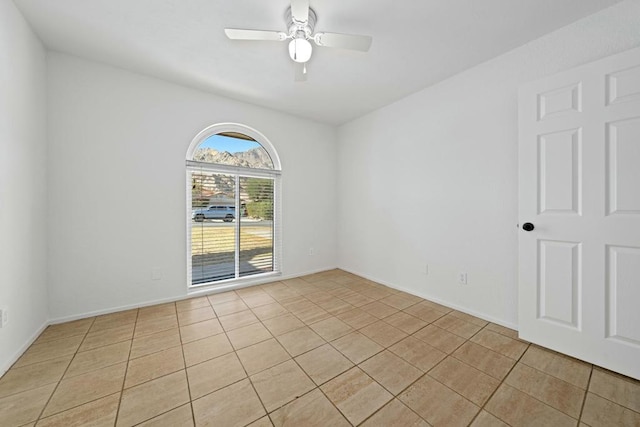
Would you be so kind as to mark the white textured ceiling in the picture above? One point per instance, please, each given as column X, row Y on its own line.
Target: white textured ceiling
column 416, row 43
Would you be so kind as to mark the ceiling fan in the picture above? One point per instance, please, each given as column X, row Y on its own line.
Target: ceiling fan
column 301, row 21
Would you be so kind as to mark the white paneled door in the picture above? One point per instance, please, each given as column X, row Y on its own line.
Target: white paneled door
column 579, row 212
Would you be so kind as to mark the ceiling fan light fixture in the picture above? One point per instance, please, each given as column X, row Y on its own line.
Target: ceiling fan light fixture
column 300, row 49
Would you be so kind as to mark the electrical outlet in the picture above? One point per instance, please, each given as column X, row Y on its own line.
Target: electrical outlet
column 312, row 251
column 4, row 317
column 156, row 274
column 462, row 278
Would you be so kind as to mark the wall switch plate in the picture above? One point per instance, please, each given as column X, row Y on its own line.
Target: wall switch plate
column 312, row 251
column 462, row 278
column 425, row 269
column 156, row 274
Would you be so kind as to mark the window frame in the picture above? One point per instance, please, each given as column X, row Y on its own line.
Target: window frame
column 239, row 171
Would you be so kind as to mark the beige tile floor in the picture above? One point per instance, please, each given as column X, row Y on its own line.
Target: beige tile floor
column 330, row 349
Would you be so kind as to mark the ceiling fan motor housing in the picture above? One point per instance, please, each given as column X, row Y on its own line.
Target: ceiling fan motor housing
column 296, row 26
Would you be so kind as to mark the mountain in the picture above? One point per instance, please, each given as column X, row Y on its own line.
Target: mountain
column 206, row 186
column 254, row 158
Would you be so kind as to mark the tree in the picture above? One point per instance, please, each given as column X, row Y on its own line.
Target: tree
column 260, row 192
column 259, row 189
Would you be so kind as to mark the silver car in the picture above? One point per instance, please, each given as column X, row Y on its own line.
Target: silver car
column 225, row 213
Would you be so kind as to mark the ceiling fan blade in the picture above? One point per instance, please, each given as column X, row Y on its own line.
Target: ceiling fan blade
column 343, row 41
column 240, row 34
column 300, row 71
column 300, row 10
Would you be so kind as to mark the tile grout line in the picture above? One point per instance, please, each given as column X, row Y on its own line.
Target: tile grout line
column 63, row 374
column 534, row 397
column 184, row 360
column 356, row 365
column 519, row 360
column 293, row 358
column 38, row 386
column 424, row 373
column 316, row 386
column 247, row 377
column 451, row 355
column 126, row 369
column 331, row 402
column 596, row 367
column 586, row 392
column 482, row 408
column 164, row 375
column 294, row 361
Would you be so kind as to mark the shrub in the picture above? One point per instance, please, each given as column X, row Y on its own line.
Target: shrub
column 263, row 210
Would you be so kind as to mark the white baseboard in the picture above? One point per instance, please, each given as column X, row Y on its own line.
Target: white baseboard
column 189, row 294
column 449, row 304
column 13, row 359
column 113, row 310
column 248, row 283
column 208, row 291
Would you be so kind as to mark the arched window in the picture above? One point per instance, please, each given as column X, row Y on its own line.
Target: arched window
column 233, row 232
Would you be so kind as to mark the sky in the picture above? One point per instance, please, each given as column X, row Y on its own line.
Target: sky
column 226, row 143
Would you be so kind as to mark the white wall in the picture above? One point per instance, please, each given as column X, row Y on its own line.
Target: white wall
column 433, row 178
column 118, row 142
column 23, row 196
